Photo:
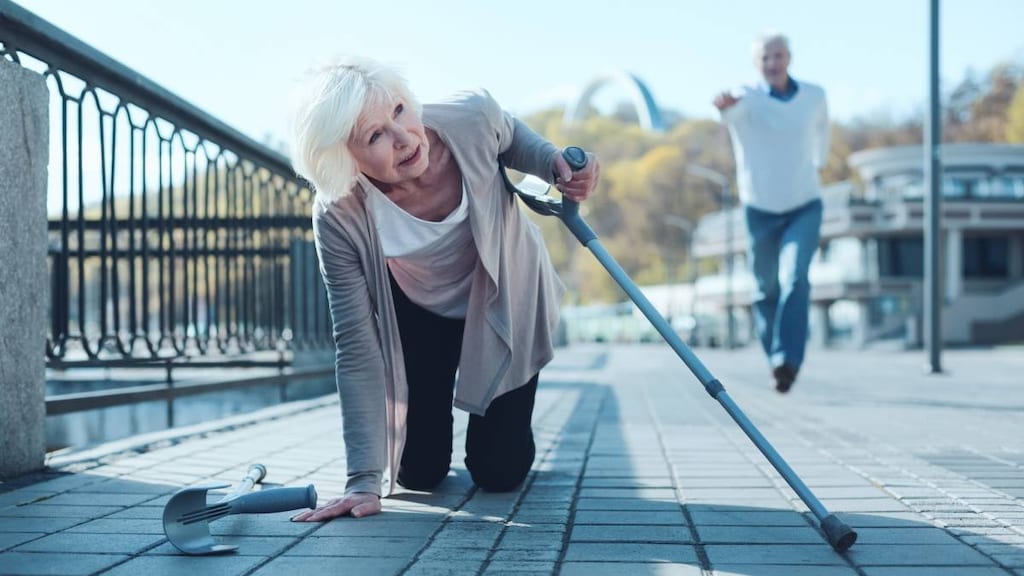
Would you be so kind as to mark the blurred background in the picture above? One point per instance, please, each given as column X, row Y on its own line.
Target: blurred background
column 226, row 270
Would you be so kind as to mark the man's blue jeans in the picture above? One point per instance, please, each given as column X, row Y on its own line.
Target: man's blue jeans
column 781, row 247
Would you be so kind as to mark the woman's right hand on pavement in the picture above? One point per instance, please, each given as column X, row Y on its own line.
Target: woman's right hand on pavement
column 357, row 504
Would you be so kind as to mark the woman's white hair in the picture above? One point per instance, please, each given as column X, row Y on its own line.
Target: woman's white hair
column 325, row 107
column 766, row 39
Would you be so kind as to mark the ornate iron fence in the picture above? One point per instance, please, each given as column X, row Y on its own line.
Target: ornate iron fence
column 171, row 235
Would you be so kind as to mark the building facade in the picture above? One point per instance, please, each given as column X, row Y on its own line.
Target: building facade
column 867, row 277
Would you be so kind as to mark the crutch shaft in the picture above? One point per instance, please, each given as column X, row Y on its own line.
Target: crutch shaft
column 839, row 535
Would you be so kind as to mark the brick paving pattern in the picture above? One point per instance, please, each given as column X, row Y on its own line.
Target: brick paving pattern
column 638, row 472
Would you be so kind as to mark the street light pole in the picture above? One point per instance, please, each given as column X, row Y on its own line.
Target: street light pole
column 730, row 341
column 725, row 204
column 933, row 205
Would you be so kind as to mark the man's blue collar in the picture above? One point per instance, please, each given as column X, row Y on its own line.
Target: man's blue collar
column 783, row 95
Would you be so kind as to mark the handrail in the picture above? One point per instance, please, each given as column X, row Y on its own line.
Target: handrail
column 81, row 401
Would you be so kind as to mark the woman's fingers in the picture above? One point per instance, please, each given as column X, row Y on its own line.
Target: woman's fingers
column 328, row 512
column 305, row 515
column 366, row 509
column 301, row 516
column 583, row 182
column 333, row 509
column 357, row 504
column 562, row 170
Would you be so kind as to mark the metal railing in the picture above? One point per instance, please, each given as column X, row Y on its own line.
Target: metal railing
column 171, row 235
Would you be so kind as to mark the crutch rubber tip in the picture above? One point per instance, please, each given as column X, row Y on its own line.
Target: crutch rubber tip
column 839, row 535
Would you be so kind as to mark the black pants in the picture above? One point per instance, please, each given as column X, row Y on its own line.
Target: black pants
column 499, row 444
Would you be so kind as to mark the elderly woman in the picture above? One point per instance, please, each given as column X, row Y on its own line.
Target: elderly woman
column 431, row 269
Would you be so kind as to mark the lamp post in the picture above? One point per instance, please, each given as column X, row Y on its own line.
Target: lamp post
column 724, row 198
column 933, row 203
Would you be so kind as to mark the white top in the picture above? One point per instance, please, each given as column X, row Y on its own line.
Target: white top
column 779, row 146
column 432, row 262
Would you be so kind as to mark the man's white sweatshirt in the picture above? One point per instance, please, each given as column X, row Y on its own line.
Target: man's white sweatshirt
column 779, row 146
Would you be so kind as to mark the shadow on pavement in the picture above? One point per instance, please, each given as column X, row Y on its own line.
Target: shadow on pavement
column 622, row 484
column 657, row 497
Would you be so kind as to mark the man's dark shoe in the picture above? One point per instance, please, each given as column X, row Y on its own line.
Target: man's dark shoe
column 785, row 375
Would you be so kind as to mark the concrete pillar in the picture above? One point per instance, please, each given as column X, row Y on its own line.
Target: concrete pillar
column 913, row 334
column 24, row 289
column 869, row 259
column 820, row 325
column 954, row 264
column 1016, row 257
column 862, row 328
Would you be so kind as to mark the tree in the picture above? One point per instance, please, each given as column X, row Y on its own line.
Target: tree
column 644, row 174
column 1015, row 118
column 986, row 113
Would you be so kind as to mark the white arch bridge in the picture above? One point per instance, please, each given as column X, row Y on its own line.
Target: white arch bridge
column 639, row 95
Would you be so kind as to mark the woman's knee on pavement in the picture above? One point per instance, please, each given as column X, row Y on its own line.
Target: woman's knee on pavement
column 493, row 475
column 501, row 466
column 499, row 446
column 423, row 474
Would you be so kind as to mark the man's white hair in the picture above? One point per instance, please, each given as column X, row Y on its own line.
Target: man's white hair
column 766, row 39
column 324, row 109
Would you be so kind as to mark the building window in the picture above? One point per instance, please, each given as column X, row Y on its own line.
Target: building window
column 914, row 190
column 887, row 311
column 901, row 257
column 1008, row 187
column 986, row 257
column 958, row 187
column 984, row 188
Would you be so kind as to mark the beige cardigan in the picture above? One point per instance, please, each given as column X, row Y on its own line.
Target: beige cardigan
column 514, row 302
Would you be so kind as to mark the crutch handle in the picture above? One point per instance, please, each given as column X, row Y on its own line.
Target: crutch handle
column 577, row 160
column 570, row 214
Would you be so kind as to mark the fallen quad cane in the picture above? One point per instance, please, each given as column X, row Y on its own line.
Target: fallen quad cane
column 533, row 192
column 187, row 517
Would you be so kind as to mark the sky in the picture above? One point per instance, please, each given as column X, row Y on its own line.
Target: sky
column 239, row 59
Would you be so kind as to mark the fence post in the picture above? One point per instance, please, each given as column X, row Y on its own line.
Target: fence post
column 24, row 287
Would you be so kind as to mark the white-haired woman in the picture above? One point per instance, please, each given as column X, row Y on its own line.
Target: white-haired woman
column 431, row 269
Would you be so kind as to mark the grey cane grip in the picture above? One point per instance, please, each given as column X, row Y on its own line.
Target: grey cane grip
column 576, row 158
column 275, row 500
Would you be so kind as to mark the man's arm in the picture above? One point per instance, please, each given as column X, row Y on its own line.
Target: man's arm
column 730, row 106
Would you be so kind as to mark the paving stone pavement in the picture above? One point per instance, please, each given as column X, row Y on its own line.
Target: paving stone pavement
column 638, row 472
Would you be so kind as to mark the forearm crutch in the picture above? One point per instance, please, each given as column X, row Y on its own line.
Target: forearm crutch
column 839, row 535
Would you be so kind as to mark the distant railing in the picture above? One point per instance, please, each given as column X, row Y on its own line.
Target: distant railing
column 171, row 235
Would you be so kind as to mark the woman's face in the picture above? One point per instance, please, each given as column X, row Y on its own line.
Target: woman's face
column 389, row 143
